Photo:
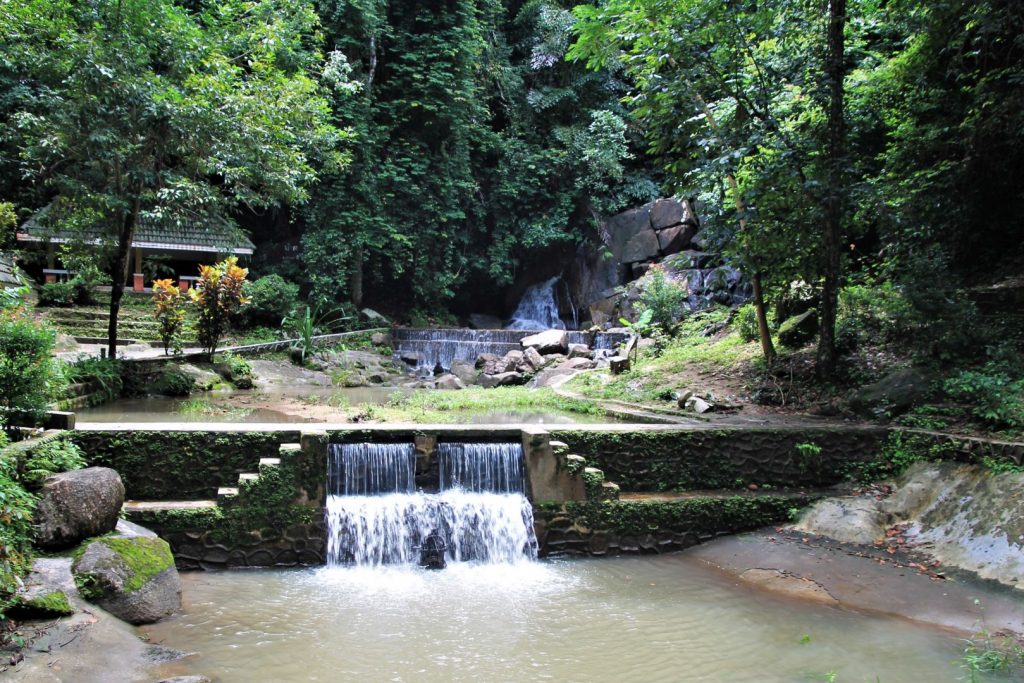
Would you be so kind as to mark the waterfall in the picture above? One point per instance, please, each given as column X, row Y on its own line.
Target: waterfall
column 433, row 348
column 496, row 467
column 538, row 309
column 481, row 514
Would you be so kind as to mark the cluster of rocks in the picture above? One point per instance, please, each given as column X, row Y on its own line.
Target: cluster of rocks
column 543, row 357
column 667, row 232
column 122, row 567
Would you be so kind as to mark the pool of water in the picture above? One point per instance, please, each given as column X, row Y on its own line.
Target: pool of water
column 163, row 409
column 666, row 618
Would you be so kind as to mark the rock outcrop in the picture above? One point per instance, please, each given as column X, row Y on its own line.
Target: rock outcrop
column 77, row 505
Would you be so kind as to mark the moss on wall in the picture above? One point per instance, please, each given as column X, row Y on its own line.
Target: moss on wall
column 185, row 465
column 722, row 458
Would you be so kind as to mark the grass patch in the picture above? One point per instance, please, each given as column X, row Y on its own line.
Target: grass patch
column 198, row 408
column 431, row 406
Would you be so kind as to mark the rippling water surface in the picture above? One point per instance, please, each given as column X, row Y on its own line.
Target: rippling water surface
column 664, row 618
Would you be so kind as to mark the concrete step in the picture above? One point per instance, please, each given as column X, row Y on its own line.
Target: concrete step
column 287, row 449
column 247, row 477
column 227, row 492
column 269, row 462
column 609, row 491
column 160, row 505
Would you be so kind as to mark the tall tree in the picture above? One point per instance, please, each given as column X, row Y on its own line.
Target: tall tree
column 835, row 67
column 729, row 95
column 146, row 110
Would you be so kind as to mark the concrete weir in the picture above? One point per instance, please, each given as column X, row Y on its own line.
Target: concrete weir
column 255, row 495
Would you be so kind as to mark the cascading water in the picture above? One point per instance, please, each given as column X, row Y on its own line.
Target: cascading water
column 538, row 309
column 480, row 515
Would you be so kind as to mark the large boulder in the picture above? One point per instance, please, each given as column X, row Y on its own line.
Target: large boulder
column 132, row 577
column 641, row 247
column 674, row 240
column 533, row 359
column 502, row 379
column 894, row 394
column 666, row 212
column 799, row 330
column 624, row 226
column 449, row 382
column 465, row 371
column 76, row 505
column 205, row 380
column 550, row 341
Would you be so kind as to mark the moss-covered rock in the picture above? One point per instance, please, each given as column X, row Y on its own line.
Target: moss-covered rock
column 133, row 577
column 798, row 330
column 46, row 605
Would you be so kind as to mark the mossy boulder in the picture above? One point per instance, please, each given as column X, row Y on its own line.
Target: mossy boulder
column 797, row 331
column 131, row 577
column 42, row 606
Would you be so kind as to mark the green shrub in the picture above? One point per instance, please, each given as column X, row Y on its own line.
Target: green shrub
column 746, row 323
column 29, row 377
column 57, row 294
column 993, row 395
column 234, row 368
column 174, row 382
column 663, row 298
column 16, row 507
column 50, row 458
column 271, row 299
column 105, row 372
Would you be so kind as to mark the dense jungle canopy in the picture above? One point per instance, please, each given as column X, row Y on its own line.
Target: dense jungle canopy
column 421, row 155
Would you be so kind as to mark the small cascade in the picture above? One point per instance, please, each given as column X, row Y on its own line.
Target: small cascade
column 480, row 515
column 429, row 349
column 478, row 467
column 538, row 309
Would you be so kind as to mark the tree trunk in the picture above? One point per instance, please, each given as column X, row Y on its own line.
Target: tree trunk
column 355, row 282
column 834, row 192
column 767, row 347
column 119, row 273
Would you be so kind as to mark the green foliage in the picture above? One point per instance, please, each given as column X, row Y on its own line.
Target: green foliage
column 49, row 458
column 663, row 298
column 313, row 321
column 16, row 507
column 994, row 395
column 746, row 323
column 985, row 653
column 29, row 377
column 105, row 372
column 57, row 294
column 217, row 295
column 271, row 299
column 899, row 452
column 173, row 382
column 170, row 312
column 163, row 112
column 235, row 368
column 53, row 604
column 478, row 148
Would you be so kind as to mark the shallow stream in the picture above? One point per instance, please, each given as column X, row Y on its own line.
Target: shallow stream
column 665, row 618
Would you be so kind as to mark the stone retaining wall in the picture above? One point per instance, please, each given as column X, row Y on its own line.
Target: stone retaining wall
column 678, row 460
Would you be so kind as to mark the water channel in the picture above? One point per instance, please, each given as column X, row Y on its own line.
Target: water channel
column 664, row 618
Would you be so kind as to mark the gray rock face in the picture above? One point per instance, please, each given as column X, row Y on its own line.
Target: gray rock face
column 550, row 341
column 642, row 246
column 894, row 394
column 375, row 317
column 665, row 213
column 578, row 363
column 799, row 330
column 533, row 359
column 133, row 578
column 502, row 379
column 76, row 505
column 674, row 240
column 624, row 226
column 205, row 379
column 381, row 339
column 580, row 351
column 449, row 382
column 465, row 371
